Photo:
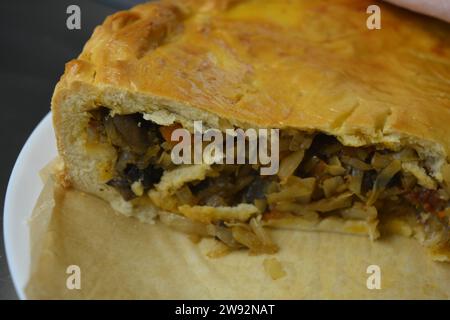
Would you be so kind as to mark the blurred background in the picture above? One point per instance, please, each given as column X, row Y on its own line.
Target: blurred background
column 35, row 45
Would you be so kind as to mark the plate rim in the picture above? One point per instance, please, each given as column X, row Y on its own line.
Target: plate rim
column 9, row 219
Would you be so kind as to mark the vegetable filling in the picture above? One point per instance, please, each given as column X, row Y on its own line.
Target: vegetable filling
column 318, row 177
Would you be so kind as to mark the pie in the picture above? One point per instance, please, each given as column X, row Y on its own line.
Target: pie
column 363, row 118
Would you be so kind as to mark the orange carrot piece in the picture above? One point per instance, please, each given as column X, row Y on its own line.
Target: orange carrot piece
column 166, row 131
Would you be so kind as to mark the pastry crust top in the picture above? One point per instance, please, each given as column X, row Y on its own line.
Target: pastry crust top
column 312, row 65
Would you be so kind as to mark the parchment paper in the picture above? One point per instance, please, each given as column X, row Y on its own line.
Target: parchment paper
column 122, row 258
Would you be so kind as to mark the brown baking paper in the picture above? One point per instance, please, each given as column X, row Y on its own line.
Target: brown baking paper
column 122, row 258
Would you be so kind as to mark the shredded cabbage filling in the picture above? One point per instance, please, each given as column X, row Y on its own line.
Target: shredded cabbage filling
column 318, row 177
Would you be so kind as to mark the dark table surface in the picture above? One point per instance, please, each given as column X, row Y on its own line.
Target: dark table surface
column 35, row 45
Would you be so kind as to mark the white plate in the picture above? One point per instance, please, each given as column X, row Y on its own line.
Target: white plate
column 23, row 190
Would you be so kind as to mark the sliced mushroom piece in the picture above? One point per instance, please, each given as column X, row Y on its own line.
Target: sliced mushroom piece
column 127, row 131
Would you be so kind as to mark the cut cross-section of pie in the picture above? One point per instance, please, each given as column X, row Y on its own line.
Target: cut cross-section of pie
column 364, row 118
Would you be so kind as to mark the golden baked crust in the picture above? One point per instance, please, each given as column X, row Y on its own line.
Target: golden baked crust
column 301, row 64
column 308, row 65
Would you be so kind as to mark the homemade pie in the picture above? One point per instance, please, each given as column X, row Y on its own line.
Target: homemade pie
column 364, row 118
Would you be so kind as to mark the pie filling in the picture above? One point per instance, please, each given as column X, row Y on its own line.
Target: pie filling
column 319, row 179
